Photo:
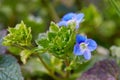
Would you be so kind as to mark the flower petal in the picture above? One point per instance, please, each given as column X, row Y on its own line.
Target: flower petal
column 87, row 54
column 92, row 45
column 77, row 25
column 62, row 23
column 68, row 16
column 79, row 17
column 77, row 50
column 80, row 38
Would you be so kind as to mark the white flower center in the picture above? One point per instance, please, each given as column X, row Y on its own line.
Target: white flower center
column 83, row 46
column 70, row 21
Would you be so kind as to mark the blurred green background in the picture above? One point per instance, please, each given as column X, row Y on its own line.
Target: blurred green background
column 101, row 22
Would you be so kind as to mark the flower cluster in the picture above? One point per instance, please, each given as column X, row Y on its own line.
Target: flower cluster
column 71, row 17
column 84, row 46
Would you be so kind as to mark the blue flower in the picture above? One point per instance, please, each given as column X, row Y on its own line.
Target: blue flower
column 71, row 17
column 84, row 46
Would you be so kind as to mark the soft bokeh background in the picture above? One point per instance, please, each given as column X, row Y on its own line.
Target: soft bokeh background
column 101, row 22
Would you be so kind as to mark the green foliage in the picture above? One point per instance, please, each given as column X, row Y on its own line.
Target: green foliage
column 116, row 5
column 14, row 50
column 100, row 25
column 59, row 40
column 24, row 55
column 92, row 16
column 107, row 29
column 115, row 51
column 18, row 36
column 56, row 63
column 9, row 68
column 54, row 27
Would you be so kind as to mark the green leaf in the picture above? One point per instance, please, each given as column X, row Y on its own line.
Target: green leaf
column 18, row 36
column 42, row 40
column 71, row 42
column 9, row 68
column 56, row 63
column 54, row 27
column 24, row 55
column 51, row 36
column 43, row 43
column 14, row 50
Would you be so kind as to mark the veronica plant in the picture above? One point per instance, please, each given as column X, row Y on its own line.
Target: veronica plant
column 61, row 42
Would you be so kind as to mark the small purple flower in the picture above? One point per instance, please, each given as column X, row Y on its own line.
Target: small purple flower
column 71, row 17
column 84, row 46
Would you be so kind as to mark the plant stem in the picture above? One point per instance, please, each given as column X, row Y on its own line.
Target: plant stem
column 67, row 65
column 51, row 73
column 45, row 65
